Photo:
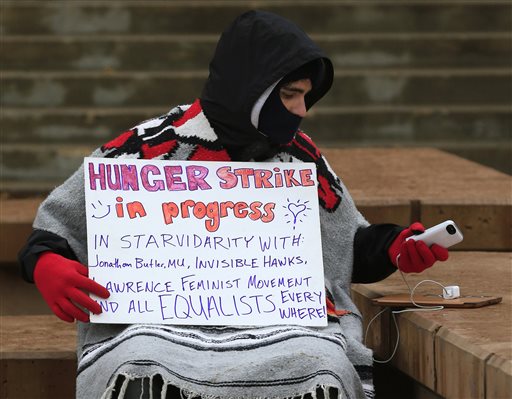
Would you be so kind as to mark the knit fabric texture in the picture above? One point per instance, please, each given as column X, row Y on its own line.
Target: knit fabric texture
column 222, row 362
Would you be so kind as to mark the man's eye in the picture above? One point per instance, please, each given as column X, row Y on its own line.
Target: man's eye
column 286, row 95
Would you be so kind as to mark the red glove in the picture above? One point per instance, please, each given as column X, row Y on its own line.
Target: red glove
column 62, row 283
column 414, row 256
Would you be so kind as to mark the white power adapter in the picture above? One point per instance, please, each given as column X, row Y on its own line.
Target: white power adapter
column 451, row 292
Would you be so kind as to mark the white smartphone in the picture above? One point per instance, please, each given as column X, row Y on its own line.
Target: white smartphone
column 445, row 234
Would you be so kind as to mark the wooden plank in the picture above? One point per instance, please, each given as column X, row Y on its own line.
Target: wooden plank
column 16, row 217
column 445, row 186
column 37, row 337
column 17, row 297
column 477, row 273
column 379, row 336
column 37, row 357
column 417, row 173
column 415, row 355
column 41, row 379
column 16, row 210
column 471, row 336
column 486, row 226
column 498, row 372
column 403, row 300
column 12, row 238
column 460, row 366
column 396, row 211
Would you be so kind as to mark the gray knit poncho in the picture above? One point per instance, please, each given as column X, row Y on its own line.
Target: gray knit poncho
column 257, row 50
column 222, row 362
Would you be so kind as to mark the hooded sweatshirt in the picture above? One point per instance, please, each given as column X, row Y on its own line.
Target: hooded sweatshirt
column 255, row 52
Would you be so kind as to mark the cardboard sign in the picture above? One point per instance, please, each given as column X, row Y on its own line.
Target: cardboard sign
column 205, row 243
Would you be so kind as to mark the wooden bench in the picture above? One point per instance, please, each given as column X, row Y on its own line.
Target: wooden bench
column 16, row 217
column 457, row 353
column 37, row 357
column 468, row 359
column 403, row 185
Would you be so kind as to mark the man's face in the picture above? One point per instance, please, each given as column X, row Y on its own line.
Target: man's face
column 292, row 95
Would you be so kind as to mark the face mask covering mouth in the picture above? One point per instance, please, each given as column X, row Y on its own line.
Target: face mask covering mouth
column 275, row 121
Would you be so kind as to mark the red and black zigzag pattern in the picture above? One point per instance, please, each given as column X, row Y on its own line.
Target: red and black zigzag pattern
column 329, row 187
column 161, row 140
column 132, row 142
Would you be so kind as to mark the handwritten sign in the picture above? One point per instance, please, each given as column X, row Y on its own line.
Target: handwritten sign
column 205, row 243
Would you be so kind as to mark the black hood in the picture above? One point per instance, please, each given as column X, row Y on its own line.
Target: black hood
column 255, row 51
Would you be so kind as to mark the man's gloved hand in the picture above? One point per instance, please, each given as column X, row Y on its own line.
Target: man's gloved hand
column 414, row 256
column 62, row 283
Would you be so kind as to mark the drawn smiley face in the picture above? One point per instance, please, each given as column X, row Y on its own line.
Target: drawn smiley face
column 100, row 211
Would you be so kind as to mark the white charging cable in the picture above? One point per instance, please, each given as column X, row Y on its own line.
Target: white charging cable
column 449, row 292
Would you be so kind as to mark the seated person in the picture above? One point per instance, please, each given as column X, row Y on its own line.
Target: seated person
column 265, row 75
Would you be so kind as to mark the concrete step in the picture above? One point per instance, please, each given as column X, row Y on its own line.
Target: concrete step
column 46, row 165
column 356, row 124
column 32, row 168
column 150, row 16
column 192, row 52
column 411, row 124
column 352, row 87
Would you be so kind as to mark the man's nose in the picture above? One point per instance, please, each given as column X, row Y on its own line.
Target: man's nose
column 300, row 108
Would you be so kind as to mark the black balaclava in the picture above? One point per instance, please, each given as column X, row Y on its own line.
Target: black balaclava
column 257, row 50
column 274, row 119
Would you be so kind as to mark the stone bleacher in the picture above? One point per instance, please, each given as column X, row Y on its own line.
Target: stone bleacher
column 422, row 73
